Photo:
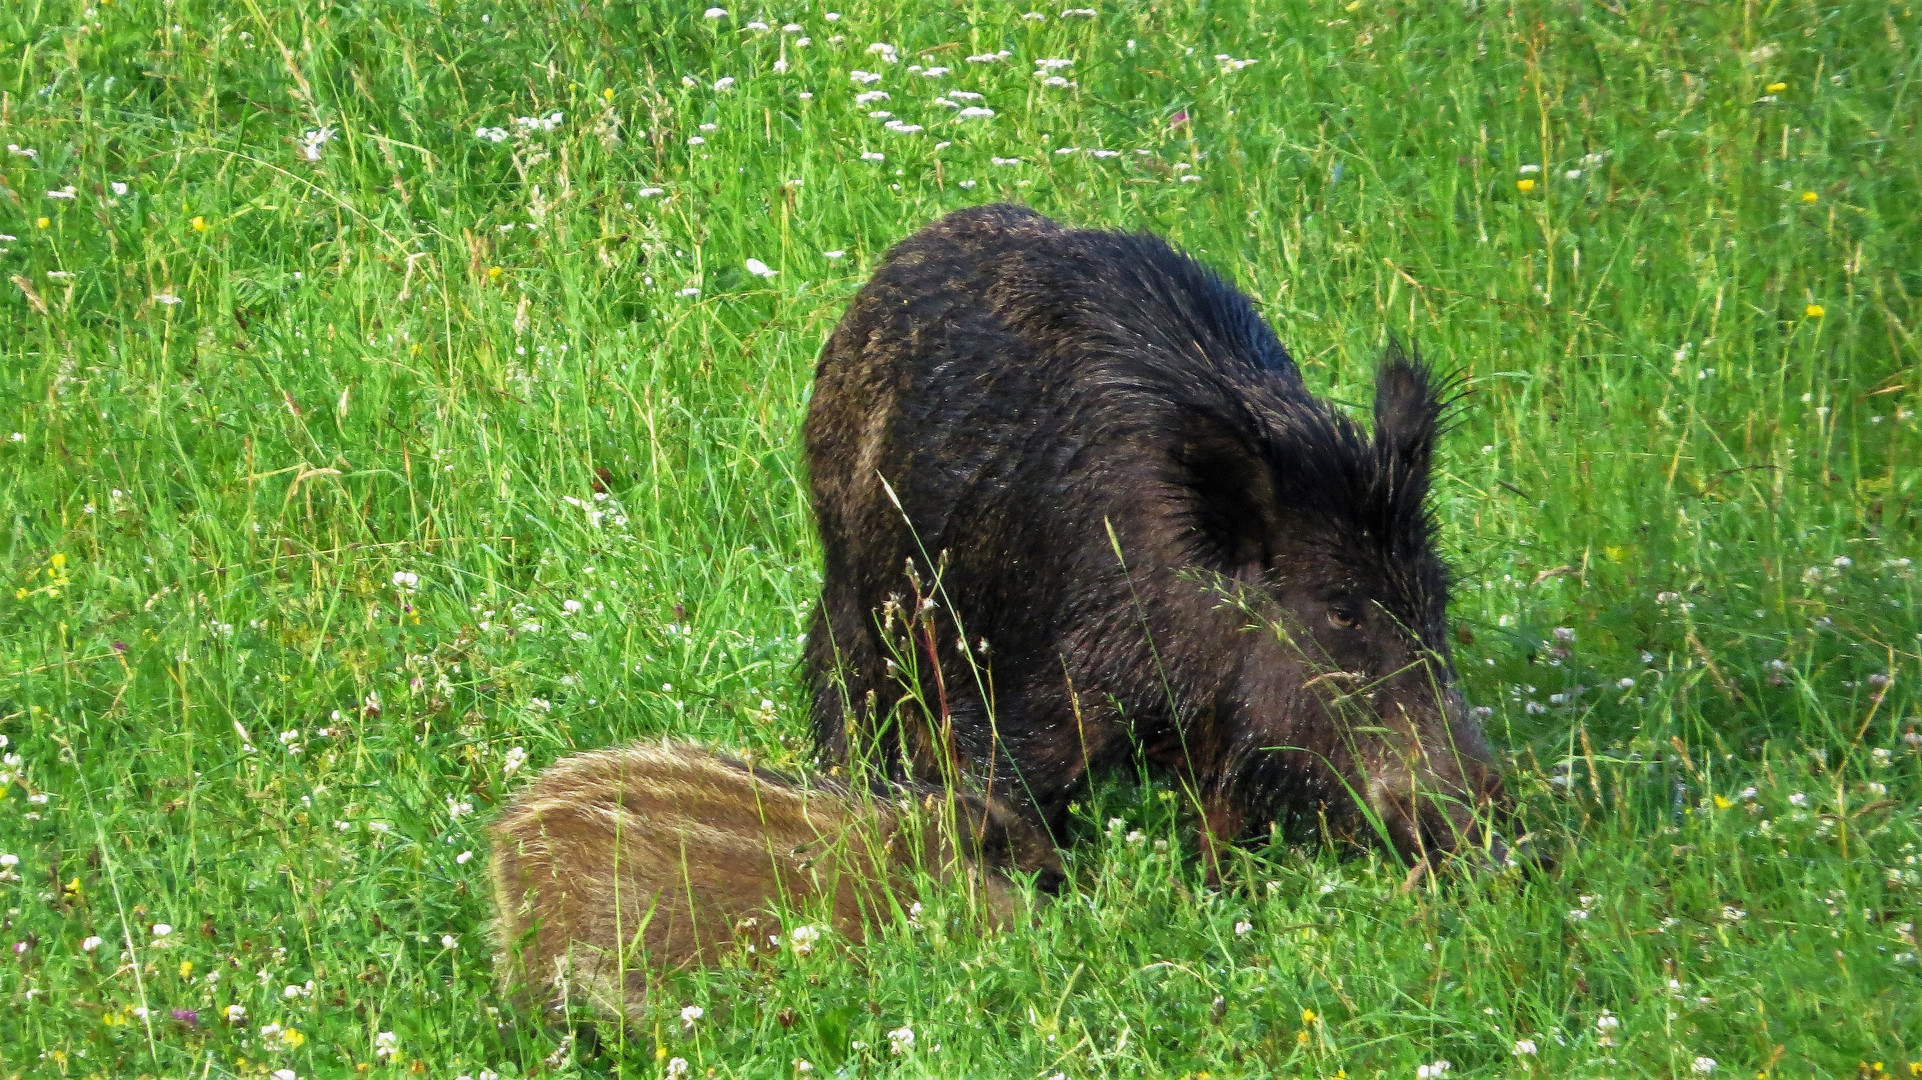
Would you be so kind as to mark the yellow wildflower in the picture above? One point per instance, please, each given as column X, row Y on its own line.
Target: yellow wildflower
column 608, row 94
column 41, row 222
column 59, row 560
column 292, row 1038
column 199, row 223
column 1776, row 87
column 493, row 273
column 1307, row 1016
column 1722, row 803
column 186, row 969
column 1815, row 311
column 1810, row 196
column 1524, row 186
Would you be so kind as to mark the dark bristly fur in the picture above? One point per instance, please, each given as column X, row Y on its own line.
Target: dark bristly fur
column 1155, row 527
column 617, row 863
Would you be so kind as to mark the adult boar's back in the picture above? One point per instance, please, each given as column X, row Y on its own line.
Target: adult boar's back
column 1151, row 540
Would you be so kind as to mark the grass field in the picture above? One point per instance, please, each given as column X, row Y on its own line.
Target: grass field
column 398, row 396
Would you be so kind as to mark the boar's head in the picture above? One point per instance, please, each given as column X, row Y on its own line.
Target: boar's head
column 1345, row 700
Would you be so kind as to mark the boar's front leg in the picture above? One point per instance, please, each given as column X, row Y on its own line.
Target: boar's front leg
column 1221, row 824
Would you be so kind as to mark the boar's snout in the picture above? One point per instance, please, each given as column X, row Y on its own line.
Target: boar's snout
column 1429, row 780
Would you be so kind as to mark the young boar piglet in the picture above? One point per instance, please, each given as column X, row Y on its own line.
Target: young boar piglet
column 1151, row 540
column 615, row 864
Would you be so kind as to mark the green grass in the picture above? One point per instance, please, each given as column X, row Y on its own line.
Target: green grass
column 1692, row 441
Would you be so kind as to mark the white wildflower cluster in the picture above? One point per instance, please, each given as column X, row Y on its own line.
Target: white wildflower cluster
column 1230, row 64
column 990, row 58
column 601, row 509
column 1045, row 70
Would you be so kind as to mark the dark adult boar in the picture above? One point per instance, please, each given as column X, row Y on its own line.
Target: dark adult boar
column 1169, row 546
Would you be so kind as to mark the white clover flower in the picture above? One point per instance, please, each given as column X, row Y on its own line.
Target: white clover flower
column 724, row 83
column 804, row 939
column 901, row 1040
column 1525, row 1048
column 1243, row 927
column 236, row 1014
column 677, row 1068
column 489, row 134
column 386, row 1045
column 161, row 930
column 312, row 141
column 515, row 759
column 90, row 943
column 691, row 1013
column 462, row 858
column 1798, row 799
column 1432, row 1070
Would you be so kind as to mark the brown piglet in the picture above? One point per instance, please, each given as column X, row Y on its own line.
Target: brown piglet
column 617, row 864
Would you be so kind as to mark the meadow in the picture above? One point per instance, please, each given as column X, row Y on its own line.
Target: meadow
column 400, row 395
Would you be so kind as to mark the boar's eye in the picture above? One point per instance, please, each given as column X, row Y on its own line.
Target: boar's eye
column 1343, row 617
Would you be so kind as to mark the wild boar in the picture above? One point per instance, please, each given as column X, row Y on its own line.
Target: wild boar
column 1074, row 485
column 616, row 864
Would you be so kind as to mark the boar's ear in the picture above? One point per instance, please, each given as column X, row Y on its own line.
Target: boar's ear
column 1408, row 411
column 1233, row 489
